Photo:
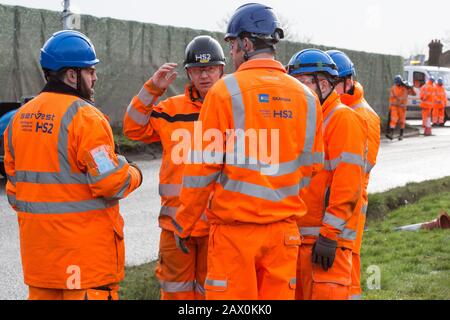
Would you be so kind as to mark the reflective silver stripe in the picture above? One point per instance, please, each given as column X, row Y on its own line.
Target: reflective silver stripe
column 145, row 97
column 319, row 158
column 345, row 157
column 170, row 190
column 257, row 191
column 348, row 234
column 216, row 283
column 168, row 212
column 10, row 144
column 329, row 116
column 334, row 221
column 356, row 297
column 369, row 166
column 199, row 288
column 12, row 180
column 305, row 182
column 199, row 181
column 140, row 118
column 64, row 207
column 63, row 137
column 236, row 100
column 174, row 287
column 121, row 193
column 310, row 231
column 293, row 282
column 364, row 209
column 51, row 177
column 311, row 121
column 358, row 106
column 12, row 199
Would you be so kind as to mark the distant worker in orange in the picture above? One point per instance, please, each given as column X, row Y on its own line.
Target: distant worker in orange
column 427, row 97
column 330, row 227
column 440, row 102
column 181, row 277
column 256, row 111
column 398, row 103
column 65, row 181
column 352, row 95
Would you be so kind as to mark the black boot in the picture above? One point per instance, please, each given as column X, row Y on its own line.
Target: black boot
column 400, row 137
column 389, row 134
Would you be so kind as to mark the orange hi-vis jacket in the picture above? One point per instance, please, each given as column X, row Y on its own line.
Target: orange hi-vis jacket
column 64, row 181
column 335, row 192
column 277, row 115
column 440, row 99
column 427, row 95
column 147, row 122
column 399, row 96
column 360, row 106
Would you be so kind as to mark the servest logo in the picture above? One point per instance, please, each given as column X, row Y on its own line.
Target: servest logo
column 264, row 98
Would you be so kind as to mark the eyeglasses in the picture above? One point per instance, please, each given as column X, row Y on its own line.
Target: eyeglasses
column 198, row 71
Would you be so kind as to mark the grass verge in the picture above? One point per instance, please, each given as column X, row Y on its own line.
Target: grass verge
column 413, row 265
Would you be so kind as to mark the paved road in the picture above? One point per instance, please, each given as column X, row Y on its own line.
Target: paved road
column 412, row 160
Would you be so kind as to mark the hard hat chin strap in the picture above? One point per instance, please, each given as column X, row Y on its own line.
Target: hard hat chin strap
column 319, row 91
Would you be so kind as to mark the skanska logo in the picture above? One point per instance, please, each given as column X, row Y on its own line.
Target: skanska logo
column 264, row 98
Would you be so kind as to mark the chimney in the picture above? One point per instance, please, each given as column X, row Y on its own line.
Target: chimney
column 435, row 53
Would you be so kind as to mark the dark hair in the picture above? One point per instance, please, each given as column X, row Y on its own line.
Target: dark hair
column 259, row 43
column 52, row 76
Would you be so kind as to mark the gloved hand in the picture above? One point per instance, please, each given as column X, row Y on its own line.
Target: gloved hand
column 324, row 252
column 181, row 243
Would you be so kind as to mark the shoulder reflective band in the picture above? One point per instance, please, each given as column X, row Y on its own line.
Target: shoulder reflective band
column 10, row 143
column 329, row 116
column 140, row 118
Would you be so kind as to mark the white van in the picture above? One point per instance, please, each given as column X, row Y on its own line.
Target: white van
column 418, row 76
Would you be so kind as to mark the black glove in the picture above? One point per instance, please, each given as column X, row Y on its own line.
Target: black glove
column 181, row 243
column 324, row 252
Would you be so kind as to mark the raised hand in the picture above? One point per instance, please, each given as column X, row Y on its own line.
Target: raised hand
column 165, row 75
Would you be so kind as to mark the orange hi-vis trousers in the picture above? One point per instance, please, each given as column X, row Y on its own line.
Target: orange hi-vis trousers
column 398, row 114
column 110, row 292
column 438, row 115
column 426, row 117
column 314, row 283
column 252, row 262
column 181, row 276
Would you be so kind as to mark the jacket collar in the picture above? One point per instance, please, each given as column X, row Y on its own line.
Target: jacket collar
column 262, row 63
column 192, row 96
column 356, row 97
column 332, row 101
column 62, row 88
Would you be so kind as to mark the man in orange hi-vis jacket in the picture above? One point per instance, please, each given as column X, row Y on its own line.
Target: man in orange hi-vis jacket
column 440, row 101
column 329, row 229
column 65, row 180
column 352, row 94
column 398, row 102
column 181, row 276
column 427, row 96
column 254, row 239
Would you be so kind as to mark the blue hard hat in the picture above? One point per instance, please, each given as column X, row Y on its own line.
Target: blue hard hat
column 344, row 64
column 312, row 61
column 67, row 49
column 440, row 81
column 398, row 79
column 432, row 79
column 256, row 19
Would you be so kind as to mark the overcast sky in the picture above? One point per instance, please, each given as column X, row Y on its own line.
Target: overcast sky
column 398, row 27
